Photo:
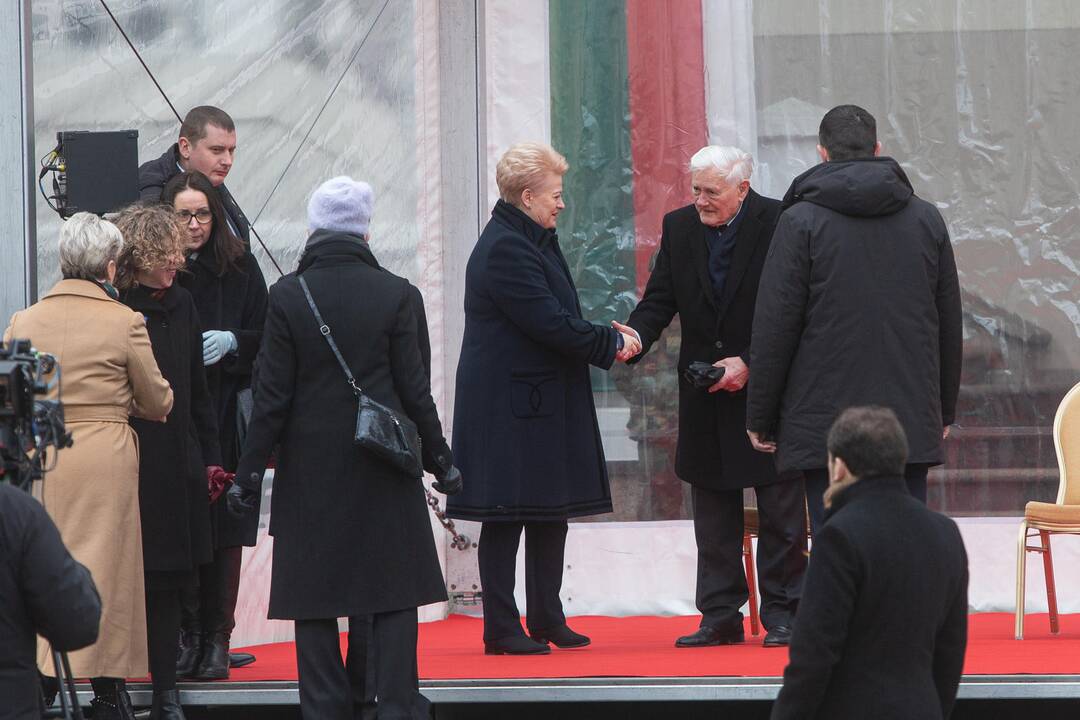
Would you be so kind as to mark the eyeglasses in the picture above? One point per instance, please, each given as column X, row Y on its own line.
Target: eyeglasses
column 201, row 216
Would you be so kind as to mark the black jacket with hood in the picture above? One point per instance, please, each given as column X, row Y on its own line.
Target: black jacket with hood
column 859, row 304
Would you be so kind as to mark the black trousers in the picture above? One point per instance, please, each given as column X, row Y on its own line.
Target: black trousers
column 210, row 607
column 781, row 553
column 379, row 669
column 817, row 481
column 545, row 547
column 164, row 591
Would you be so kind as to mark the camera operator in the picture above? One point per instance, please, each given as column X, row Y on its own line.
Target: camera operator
column 43, row 591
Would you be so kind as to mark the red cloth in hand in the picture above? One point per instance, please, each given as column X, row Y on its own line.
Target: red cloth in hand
column 217, row 480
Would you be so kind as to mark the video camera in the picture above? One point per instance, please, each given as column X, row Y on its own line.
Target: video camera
column 28, row 425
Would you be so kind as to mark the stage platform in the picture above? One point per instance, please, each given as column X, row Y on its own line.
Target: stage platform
column 633, row 660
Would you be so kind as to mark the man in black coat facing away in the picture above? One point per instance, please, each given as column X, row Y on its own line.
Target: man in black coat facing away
column 351, row 532
column 859, row 303
column 883, row 622
column 43, row 591
column 707, row 271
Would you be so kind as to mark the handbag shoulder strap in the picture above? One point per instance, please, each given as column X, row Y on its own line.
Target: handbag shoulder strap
column 325, row 330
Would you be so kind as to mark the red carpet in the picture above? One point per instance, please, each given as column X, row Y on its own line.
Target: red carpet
column 644, row 647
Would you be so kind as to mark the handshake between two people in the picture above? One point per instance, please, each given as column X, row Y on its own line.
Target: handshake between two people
column 733, row 379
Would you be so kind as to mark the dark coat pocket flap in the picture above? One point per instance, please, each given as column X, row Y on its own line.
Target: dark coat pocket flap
column 534, row 392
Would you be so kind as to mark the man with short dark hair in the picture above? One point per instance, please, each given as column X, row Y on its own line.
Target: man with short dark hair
column 859, row 303
column 207, row 143
column 883, row 619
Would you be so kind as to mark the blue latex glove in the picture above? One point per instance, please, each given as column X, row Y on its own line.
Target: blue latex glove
column 216, row 344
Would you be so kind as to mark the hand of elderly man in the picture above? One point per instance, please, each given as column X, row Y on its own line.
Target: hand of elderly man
column 242, row 499
column 736, row 373
column 216, row 344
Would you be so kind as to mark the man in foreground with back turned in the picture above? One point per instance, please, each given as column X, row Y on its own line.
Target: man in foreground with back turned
column 859, row 304
column 883, row 620
column 707, row 270
column 43, row 591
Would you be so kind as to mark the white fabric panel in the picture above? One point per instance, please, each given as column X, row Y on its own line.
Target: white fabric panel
column 516, row 81
column 730, row 109
column 429, row 247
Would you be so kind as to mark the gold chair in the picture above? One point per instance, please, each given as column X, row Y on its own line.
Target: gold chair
column 751, row 530
column 1061, row 517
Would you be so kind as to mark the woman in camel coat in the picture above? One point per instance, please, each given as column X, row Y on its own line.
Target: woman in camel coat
column 108, row 371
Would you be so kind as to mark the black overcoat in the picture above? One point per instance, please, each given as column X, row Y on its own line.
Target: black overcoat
column 859, row 304
column 173, row 496
column 234, row 301
column 43, row 590
column 713, row 450
column 525, row 432
column 351, row 534
column 882, row 622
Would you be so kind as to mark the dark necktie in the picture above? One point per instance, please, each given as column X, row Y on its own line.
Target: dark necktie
column 720, row 246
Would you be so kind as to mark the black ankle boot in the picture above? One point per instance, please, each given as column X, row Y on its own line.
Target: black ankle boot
column 111, row 700
column 215, row 658
column 166, row 705
column 190, row 655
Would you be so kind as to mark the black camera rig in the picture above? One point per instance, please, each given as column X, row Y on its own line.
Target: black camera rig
column 29, row 424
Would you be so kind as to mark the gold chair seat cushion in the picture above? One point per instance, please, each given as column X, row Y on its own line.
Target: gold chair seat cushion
column 1066, row 516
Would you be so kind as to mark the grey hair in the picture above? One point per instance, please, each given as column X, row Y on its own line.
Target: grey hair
column 87, row 244
column 733, row 164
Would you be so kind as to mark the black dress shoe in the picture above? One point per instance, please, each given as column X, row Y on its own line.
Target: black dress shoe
column 562, row 637
column 779, row 636
column 516, row 645
column 166, row 706
column 707, row 635
column 215, row 658
column 190, row 655
column 237, row 660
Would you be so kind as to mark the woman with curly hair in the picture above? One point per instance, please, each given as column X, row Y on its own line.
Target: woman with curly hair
column 180, row 457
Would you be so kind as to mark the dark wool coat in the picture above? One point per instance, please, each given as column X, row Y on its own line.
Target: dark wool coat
column 525, row 432
column 713, row 449
column 882, row 622
column 154, row 174
column 859, row 304
column 235, row 301
column 351, row 534
column 42, row 590
column 173, row 496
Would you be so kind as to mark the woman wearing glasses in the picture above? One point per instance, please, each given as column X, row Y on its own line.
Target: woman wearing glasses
column 230, row 294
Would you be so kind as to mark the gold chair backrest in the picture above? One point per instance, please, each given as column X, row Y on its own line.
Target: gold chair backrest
column 1067, row 445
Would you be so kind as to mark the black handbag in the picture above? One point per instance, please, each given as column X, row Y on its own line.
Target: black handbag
column 386, row 435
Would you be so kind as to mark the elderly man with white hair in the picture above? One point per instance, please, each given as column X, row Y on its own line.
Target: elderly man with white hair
column 707, row 270
column 351, row 531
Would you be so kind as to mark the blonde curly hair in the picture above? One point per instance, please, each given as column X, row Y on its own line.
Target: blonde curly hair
column 153, row 239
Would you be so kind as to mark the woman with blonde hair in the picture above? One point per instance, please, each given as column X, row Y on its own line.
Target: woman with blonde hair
column 107, row 371
column 180, row 470
column 526, row 432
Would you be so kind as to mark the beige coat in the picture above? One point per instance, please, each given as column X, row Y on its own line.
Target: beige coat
column 107, row 371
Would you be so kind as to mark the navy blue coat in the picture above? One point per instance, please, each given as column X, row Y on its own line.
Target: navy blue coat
column 525, row 432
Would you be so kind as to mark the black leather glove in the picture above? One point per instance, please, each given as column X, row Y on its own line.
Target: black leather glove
column 243, row 499
column 450, row 483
